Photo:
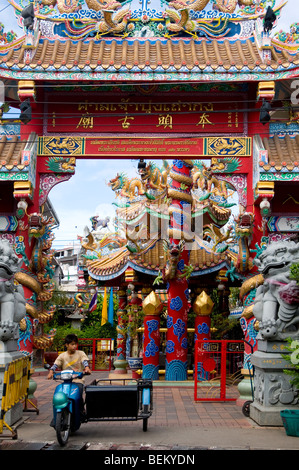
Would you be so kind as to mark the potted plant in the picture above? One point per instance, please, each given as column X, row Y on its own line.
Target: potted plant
column 290, row 418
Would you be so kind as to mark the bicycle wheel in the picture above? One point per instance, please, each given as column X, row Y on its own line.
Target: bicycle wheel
column 63, row 426
column 246, row 408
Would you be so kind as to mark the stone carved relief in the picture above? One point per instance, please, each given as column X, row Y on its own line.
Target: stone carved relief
column 282, row 392
column 259, row 387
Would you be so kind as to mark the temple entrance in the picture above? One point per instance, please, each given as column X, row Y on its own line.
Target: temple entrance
column 167, row 226
column 121, row 247
column 207, row 88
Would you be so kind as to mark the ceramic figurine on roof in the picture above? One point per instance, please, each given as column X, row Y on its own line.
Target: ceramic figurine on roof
column 154, row 178
column 6, row 37
column 216, row 18
column 98, row 242
column 289, row 38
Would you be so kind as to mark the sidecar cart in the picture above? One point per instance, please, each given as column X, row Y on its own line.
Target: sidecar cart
column 114, row 400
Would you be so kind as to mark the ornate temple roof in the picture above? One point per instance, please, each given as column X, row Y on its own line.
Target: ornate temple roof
column 151, row 261
column 137, row 55
column 283, row 153
column 213, row 40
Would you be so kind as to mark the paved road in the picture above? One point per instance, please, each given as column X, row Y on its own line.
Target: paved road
column 179, row 424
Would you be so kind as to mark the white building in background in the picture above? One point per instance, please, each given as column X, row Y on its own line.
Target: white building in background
column 67, row 259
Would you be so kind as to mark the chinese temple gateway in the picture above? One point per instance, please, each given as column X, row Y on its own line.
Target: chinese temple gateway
column 205, row 85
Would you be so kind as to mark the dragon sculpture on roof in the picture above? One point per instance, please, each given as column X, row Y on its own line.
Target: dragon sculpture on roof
column 225, row 6
column 79, row 19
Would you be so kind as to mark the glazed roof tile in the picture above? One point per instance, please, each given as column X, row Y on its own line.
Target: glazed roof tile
column 11, row 149
column 144, row 54
column 283, row 153
column 153, row 259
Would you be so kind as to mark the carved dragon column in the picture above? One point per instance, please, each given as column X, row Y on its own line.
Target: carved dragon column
column 34, row 234
column 36, row 277
column 176, row 270
column 121, row 363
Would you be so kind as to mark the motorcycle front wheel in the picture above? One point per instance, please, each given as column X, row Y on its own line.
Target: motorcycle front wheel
column 63, row 426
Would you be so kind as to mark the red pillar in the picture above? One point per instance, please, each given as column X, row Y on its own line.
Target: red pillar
column 152, row 307
column 180, row 225
column 203, row 307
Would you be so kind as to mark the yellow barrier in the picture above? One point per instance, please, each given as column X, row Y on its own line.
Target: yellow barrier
column 15, row 387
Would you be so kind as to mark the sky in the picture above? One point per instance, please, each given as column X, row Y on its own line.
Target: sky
column 87, row 194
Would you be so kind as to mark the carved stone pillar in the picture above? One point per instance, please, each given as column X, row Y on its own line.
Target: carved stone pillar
column 121, row 363
column 273, row 392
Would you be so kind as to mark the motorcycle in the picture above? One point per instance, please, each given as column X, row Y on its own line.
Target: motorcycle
column 67, row 405
column 104, row 402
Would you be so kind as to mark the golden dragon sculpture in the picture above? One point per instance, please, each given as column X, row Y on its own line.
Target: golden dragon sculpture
column 114, row 22
column 71, row 6
column 224, row 6
column 179, row 13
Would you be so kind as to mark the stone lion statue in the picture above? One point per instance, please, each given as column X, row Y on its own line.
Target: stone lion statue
column 276, row 305
column 12, row 301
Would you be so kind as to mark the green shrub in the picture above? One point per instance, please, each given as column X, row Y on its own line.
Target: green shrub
column 294, row 270
column 90, row 328
column 293, row 359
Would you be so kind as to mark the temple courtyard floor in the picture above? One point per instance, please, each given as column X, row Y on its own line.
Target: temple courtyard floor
column 178, row 423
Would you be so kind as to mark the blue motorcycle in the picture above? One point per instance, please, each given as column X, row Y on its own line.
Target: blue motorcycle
column 67, row 405
column 105, row 400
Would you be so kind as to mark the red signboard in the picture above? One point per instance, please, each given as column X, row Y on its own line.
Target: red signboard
column 156, row 147
column 147, row 147
column 200, row 114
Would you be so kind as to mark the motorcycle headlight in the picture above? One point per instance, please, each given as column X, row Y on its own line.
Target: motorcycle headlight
column 67, row 374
